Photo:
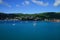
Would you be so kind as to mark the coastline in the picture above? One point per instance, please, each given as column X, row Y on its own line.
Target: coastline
column 53, row 20
column 48, row 16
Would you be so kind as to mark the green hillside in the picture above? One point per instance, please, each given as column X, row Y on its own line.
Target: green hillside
column 38, row 16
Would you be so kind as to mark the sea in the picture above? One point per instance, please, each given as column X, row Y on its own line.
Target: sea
column 29, row 30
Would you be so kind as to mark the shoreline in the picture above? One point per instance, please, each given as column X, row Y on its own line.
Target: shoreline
column 48, row 16
column 53, row 20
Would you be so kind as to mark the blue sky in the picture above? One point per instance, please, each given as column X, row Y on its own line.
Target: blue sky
column 29, row 6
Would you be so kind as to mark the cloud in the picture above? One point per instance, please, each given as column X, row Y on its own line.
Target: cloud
column 17, row 5
column 26, row 2
column 1, row 1
column 57, row 3
column 6, row 4
column 40, row 3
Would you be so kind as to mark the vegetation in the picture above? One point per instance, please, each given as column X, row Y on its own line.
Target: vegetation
column 39, row 16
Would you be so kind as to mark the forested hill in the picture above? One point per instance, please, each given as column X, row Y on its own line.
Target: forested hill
column 38, row 16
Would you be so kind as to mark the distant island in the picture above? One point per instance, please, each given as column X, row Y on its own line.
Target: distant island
column 47, row 16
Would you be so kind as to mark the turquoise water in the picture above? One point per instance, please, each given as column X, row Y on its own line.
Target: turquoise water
column 29, row 30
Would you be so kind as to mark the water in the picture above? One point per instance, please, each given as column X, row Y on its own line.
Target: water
column 29, row 30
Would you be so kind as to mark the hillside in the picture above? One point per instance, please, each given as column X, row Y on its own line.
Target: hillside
column 39, row 16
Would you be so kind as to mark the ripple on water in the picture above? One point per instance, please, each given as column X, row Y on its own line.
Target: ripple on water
column 34, row 24
column 13, row 24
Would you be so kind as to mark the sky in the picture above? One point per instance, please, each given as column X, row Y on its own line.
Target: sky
column 29, row 6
